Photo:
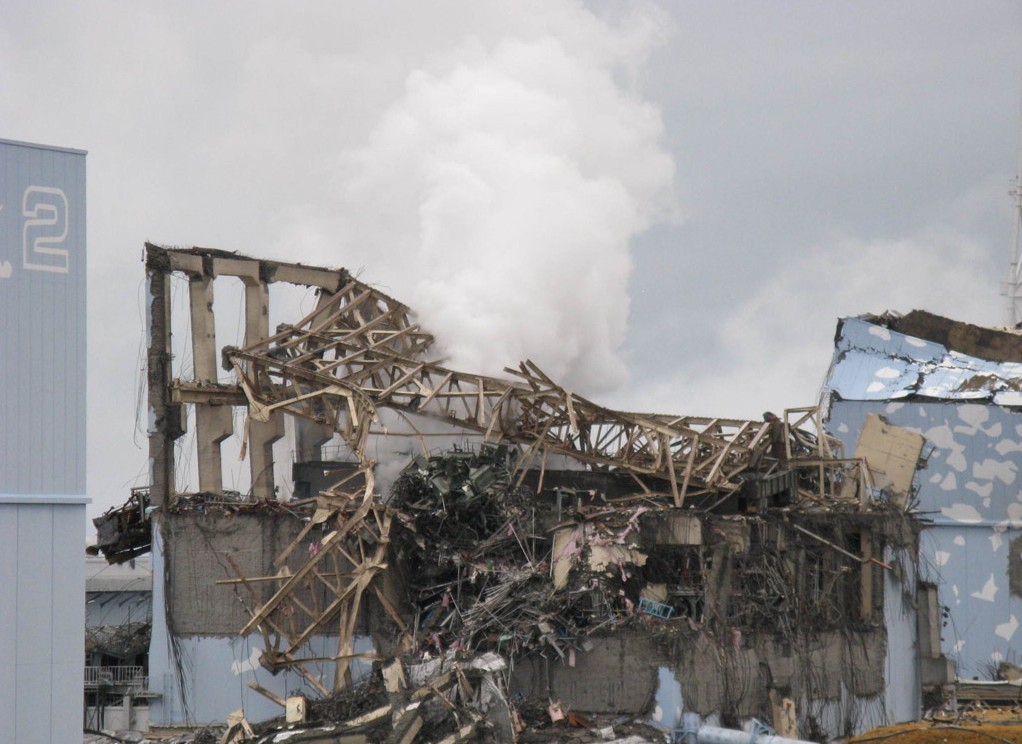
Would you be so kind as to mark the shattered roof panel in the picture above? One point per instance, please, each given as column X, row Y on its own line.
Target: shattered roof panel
column 872, row 362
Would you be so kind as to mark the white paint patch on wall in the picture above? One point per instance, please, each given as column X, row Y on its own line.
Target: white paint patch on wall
column 1006, row 446
column 988, row 592
column 250, row 664
column 983, row 491
column 943, row 438
column 964, row 513
column 1014, row 515
column 975, row 416
column 1003, row 470
column 1007, row 630
column 959, row 540
column 996, row 541
column 941, row 557
column 880, row 332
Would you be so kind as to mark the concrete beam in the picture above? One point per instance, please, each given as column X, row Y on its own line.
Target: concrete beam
column 185, row 391
column 329, row 279
column 189, row 263
column 247, row 269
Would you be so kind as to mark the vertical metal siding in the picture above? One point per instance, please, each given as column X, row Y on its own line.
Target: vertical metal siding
column 970, row 491
column 9, row 548
column 34, row 631
column 42, row 322
column 42, row 442
column 67, row 601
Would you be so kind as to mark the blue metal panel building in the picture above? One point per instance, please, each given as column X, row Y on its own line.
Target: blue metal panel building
column 42, row 441
column 969, row 486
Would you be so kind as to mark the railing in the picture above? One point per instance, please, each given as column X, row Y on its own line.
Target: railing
column 116, row 676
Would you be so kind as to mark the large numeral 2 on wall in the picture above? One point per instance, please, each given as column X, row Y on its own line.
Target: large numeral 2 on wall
column 45, row 229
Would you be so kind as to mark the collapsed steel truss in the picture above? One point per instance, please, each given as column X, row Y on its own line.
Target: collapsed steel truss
column 339, row 364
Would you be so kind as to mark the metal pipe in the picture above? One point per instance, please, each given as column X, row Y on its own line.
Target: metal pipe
column 713, row 735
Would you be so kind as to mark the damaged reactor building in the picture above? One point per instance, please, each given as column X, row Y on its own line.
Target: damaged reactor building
column 533, row 556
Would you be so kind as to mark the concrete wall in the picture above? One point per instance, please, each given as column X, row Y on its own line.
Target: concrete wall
column 834, row 678
column 201, row 546
column 201, row 667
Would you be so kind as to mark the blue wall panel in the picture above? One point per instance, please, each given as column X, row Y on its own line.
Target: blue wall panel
column 969, row 487
column 42, row 442
column 42, row 321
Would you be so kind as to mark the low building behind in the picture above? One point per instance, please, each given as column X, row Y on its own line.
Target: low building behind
column 118, row 624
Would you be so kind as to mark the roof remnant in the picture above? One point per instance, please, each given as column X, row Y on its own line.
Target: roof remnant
column 995, row 344
column 871, row 363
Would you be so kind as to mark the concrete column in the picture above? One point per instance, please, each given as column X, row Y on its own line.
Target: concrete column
column 165, row 420
column 261, row 435
column 213, row 423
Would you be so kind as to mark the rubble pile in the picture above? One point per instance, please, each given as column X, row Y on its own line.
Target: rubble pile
column 497, row 569
column 491, row 570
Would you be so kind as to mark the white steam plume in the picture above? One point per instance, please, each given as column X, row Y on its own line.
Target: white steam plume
column 499, row 194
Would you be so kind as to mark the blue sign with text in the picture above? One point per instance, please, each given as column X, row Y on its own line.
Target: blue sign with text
column 42, row 322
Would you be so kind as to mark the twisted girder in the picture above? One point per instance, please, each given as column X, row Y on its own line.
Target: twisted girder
column 355, row 317
column 330, row 370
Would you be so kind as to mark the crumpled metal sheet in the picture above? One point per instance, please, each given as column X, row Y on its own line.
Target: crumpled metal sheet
column 872, row 362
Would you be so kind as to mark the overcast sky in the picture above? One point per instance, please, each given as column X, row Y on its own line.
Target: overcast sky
column 667, row 205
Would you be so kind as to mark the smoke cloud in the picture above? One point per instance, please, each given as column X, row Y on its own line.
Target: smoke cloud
column 499, row 194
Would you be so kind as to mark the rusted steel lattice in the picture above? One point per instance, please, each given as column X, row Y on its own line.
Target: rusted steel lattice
column 321, row 373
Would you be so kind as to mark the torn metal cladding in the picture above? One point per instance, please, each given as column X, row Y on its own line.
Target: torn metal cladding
column 874, row 363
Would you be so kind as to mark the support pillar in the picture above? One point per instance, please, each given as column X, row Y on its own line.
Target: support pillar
column 261, row 435
column 213, row 423
column 165, row 417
